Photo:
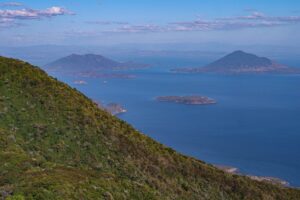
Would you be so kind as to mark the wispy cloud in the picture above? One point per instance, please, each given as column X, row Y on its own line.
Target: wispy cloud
column 254, row 20
column 100, row 22
column 24, row 14
column 11, row 4
column 11, row 17
column 81, row 33
column 259, row 16
column 141, row 28
column 255, row 15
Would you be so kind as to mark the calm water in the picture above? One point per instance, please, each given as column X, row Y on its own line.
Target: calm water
column 255, row 126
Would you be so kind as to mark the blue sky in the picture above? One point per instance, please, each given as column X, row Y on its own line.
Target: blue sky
column 110, row 22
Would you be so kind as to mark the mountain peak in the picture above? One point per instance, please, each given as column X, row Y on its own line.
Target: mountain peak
column 243, row 54
column 240, row 52
column 77, row 62
column 89, row 55
column 89, row 62
column 92, row 55
column 241, row 61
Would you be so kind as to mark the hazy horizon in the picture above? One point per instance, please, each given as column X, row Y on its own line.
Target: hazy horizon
column 108, row 23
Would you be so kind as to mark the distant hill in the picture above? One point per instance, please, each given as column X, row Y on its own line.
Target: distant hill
column 55, row 143
column 89, row 62
column 242, row 62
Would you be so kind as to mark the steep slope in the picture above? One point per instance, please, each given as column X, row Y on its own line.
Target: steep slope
column 89, row 62
column 55, row 143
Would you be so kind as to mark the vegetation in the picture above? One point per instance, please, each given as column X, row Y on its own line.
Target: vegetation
column 55, row 143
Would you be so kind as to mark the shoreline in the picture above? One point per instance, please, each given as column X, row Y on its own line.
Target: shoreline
column 268, row 179
column 112, row 108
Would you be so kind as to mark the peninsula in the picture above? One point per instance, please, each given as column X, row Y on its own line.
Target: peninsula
column 190, row 100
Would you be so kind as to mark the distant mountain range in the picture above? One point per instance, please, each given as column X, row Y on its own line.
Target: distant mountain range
column 90, row 62
column 242, row 62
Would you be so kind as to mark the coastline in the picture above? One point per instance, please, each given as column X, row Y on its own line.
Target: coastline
column 272, row 180
column 112, row 108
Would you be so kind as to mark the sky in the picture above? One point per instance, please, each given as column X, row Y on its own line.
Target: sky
column 114, row 22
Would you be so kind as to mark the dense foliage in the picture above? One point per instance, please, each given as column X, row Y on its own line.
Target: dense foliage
column 55, row 143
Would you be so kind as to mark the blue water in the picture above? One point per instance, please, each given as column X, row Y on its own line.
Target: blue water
column 255, row 126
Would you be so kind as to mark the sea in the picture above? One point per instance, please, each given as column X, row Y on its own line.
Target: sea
column 255, row 125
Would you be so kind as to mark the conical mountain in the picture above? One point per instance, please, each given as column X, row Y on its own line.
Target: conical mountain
column 89, row 62
column 239, row 60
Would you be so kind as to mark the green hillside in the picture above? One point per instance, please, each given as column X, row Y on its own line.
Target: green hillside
column 55, row 143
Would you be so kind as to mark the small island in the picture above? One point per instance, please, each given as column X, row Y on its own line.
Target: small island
column 240, row 62
column 189, row 100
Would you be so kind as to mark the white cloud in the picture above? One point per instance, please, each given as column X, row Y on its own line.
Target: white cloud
column 10, row 17
column 33, row 14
